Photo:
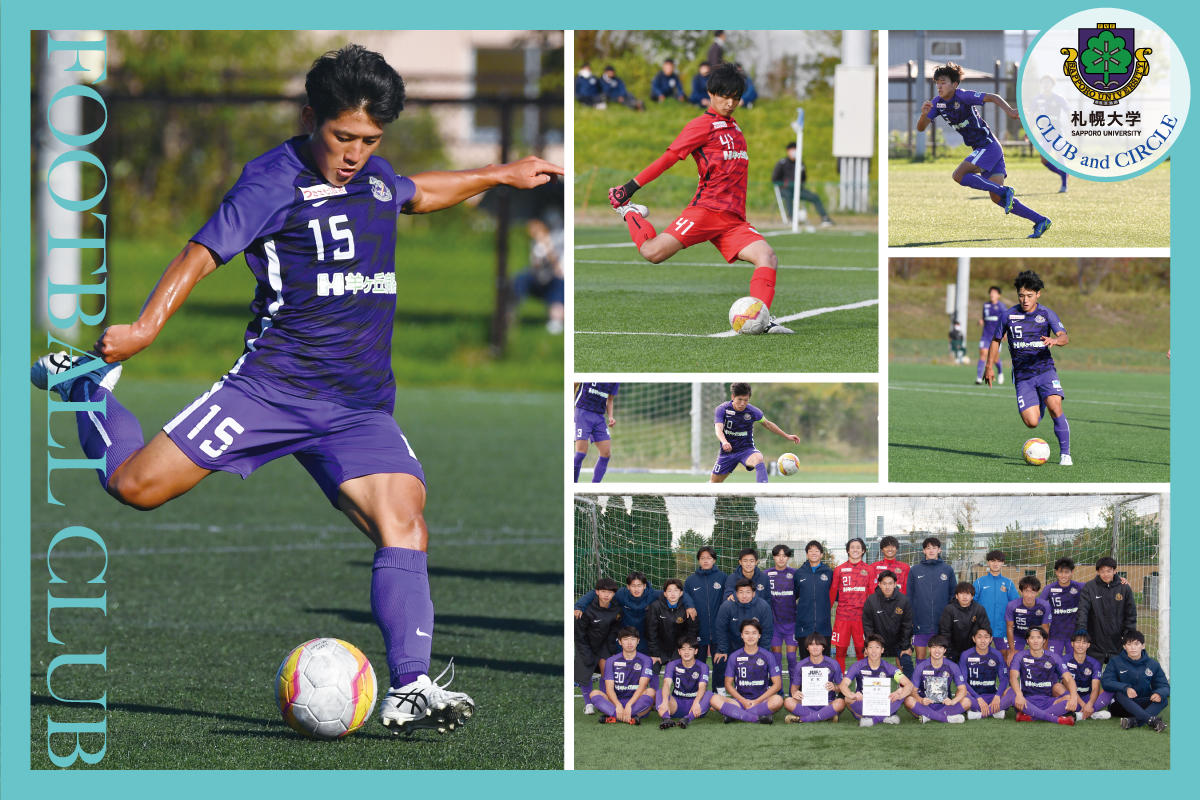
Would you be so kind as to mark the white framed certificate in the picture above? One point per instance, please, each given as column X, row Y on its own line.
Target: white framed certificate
column 812, row 684
column 875, row 693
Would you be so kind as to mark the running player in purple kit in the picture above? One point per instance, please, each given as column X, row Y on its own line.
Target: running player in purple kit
column 873, row 666
column 1086, row 671
column 815, row 643
column 1025, row 613
column 734, row 420
column 986, row 672
column 984, row 168
column 593, row 417
column 752, row 681
column 988, row 322
column 933, row 679
column 627, row 696
column 1032, row 329
column 1063, row 598
column 686, row 694
column 782, row 583
column 1035, row 673
column 316, row 219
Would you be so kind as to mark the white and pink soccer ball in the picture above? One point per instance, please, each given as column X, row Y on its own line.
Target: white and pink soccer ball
column 788, row 464
column 749, row 315
column 1036, row 451
column 325, row 689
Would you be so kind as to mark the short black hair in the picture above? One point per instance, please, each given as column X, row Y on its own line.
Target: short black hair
column 351, row 79
column 1081, row 636
column 670, row 61
column 937, row 640
column 1028, row 279
column 1064, row 563
column 995, row 289
column 949, row 70
column 1029, row 582
column 608, row 584
column 931, row 540
column 706, row 549
column 782, row 548
column 636, row 576
column 995, row 555
column 1133, row 636
column 739, row 389
column 814, row 638
column 743, row 582
column 889, row 541
column 861, row 543
column 963, row 586
column 672, row 582
column 726, row 80
column 690, row 641
column 628, row 630
column 748, row 551
column 816, row 544
column 874, row 637
column 790, row 146
column 609, row 68
column 887, row 573
column 1106, row 561
column 748, row 622
column 1038, row 630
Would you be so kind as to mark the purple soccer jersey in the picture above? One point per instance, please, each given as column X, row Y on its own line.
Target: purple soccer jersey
column 752, row 673
column 1038, row 675
column 1064, row 603
column 1025, row 619
column 943, row 680
column 1084, row 674
column 324, row 260
column 625, row 673
column 594, row 396
column 964, row 114
column 835, row 673
column 991, row 321
column 1029, row 355
column 863, row 669
column 684, row 682
column 738, row 425
column 782, row 583
column 985, row 674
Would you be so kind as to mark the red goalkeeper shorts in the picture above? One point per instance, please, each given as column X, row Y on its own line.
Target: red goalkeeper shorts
column 729, row 233
column 844, row 633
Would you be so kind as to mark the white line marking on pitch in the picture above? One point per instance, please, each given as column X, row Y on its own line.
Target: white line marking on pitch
column 726, row 266
column 1074, row 399
column 723, row 334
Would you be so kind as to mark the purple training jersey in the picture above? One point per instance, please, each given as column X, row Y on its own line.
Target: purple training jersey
column 1025, row 619
column 964, row 114
column 1084, row 674
column 1029, row 355
column 324, row 260
column 739, row 425
column 1038, row 675
column 863, row 669
column 1064, row 603
column 594, row 396
column 684, row 682
column 985, row 674
column 783, row 595
column 939, row 684
column 626, row 672
column 752, row 673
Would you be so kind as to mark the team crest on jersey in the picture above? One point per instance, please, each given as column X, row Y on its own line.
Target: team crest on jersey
column 716, row 584
column 824, row 577
column 746, row 415
column 679, row 620
column 1087, row 671
column 1149, row 672
column 760, row 663
column 321, row 190
column 957, row 104
column 1118, row 596
column 899, row 610
column 695, row 674
column 1039, row 318
column 760, row 588
column 991, row 662
column 380, row 189
column 1046, row 664
column 1074, row 590
column 943, row 576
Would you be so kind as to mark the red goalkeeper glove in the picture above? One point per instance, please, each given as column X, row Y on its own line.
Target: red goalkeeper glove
column 621, row 195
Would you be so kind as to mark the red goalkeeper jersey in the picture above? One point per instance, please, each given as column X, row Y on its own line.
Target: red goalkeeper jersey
column 719, row 147
column 852, row 583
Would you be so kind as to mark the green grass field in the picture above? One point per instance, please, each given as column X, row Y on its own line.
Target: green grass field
column 634, row 316
column 943, row 427
column 206, row 595
column 809, row 473
column 927, row 209
column 977, row 744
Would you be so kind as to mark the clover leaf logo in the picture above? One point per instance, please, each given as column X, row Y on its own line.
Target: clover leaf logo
column 1106, row 53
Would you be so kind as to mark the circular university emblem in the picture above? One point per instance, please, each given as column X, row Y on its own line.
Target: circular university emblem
column 1104, row 94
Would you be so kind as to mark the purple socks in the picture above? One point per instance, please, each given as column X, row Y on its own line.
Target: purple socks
column 1063, row 431
column 403, row 610
column 579, row 457
column 811, row 714
column 598, row 472
column 760, row 473
column 107, row 429
column 1025, row 212
column 976, row 181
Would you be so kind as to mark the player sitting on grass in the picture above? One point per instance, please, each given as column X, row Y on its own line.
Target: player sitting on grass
column 1032, row 329
column 1025, row 613
column 988, row 322
column 1138, row 684
column 814, row 643
column 1038, row 677
column 984, row 168
column 685, row 695
column 1087, row 671
column 627, row 696
column 752, row 681
column 1063, row 597
column 315, row 378
column 986, row 673
column 734, row 420
column 717, row 212
column 933, row 678
column 593, row 417
column 873, row 666
column 595, row 637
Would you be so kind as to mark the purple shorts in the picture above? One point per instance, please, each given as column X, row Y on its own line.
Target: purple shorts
column 1060, row 648
column 1033, row 391
column 784, row 634
column 242, row 423
column 922, row 639
column 590, row 426
column 727, row 462
column 989, row 159
column 1000, row 643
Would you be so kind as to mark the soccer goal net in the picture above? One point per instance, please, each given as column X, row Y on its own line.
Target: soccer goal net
column 659, row 535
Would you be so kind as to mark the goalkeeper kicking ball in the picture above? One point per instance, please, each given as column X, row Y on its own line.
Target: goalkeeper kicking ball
column 1036, row 451
column 325, row 689
column 749, row 315
column 788, row 464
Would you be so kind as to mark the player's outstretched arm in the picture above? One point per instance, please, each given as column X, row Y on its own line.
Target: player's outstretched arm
column 121, row 342
column 438, row 190
column 773, row 428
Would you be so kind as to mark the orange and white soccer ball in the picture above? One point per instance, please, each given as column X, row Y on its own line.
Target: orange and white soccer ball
column 1036, row 451
column 326, row 689
column 788, row 463
column 749, row 315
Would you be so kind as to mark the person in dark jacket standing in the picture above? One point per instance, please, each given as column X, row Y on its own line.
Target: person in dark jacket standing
column 744, row 606
column 748, row 569
column 1138, row 684
column 960, row 619
column 716, row 50
column 596, row 636
column 1106, row 611
column 634, row 600
column 930, row 587
column 814, row 612
column 706, row 589
column 666, row 623
column 887, row 613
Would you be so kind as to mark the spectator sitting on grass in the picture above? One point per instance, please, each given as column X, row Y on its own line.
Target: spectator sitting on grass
column 699, row 95
column 615, row 91
column 666, row 84
column 587, row 87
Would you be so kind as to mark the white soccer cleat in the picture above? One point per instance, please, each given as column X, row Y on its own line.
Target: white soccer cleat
column 999, row 714
column 589, row 709
column 956, row 718
column 978, row 381
column 866, row 722
column 106, row 375
column 1000, row 379
column 923, row 720
column 974, row 715
column 424, row 704
column 893, row 720
column 1103, row 713
column 637, row 208
column 775, row 327
column 1065, row 461
column 722, row 692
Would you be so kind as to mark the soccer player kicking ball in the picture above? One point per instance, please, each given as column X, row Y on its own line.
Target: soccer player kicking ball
column 800, row 711
column 627, row 696
column 984, row 168
column 1035, row 674
column 734, row 420
column 315, row 379
column 933, row 679
column 685, row 688
column 1032, row 329
column 717, row 212
column 752, row 681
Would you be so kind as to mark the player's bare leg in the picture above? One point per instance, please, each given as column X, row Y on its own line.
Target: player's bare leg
column 715, row 478
column 660, row 248
column 389, row 509
column 155, row 474
column 762, row 282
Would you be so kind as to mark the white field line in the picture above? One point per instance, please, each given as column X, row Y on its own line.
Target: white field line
column 724, row 334
column 1073, row 399
column 727, row 266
